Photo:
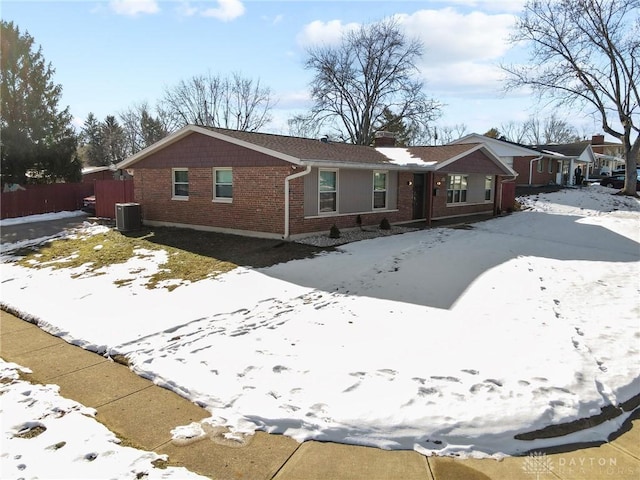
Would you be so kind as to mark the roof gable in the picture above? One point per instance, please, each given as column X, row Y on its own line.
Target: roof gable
column 311, row 152
column 579, row 150
column 442, row 157
column 502, row 148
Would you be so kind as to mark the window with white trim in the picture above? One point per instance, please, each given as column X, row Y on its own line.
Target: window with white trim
column 222, row 184
column 540, row 166
column 457, row 189
column 551, row 162
column 380, row 190
column 327, row 191
column 488, row 186
column 180, row 183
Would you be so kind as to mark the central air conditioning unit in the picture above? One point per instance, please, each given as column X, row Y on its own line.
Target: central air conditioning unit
column 128, row 216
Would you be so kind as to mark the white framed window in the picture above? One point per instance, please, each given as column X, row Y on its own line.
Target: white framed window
column 488, row 187
column 380, row 189
column 540, row 166
column 457, row 189
column 180, row 183
column 327, row 191
column 223, row 185
column 550, row 167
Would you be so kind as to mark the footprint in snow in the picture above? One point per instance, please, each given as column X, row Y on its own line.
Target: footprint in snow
column 352, row 387
column 424, row 392
column 387, row 372
column 447, row 379
column 493, row 381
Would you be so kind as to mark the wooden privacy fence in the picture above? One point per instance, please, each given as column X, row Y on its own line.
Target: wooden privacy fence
column 110, row 192
column 508, row 199
column 37, row 199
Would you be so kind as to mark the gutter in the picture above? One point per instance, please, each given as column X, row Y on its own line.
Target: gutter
column 286, row 197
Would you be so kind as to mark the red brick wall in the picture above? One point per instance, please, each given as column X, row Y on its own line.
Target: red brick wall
column 521, row 165
column 258, row 186
column 439, row 201
column 258, row 199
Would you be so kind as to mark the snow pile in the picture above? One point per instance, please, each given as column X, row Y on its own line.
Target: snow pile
column 86, row 229
column 443, row 341
column 48, row 436
column 42, row 217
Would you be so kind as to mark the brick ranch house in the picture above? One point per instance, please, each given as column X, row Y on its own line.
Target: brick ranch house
column 277, row 186
column 538, row 165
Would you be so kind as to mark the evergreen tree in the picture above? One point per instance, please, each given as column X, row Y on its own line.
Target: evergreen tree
column 393, row 123
column 92, row 136
column 151, row 128
column 35, row 134
column 114, row 140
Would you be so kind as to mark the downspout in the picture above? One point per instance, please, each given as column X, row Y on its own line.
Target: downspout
column 531, row 166
column 286, row 197
column 501, row 181
column 497, row 199
column 430, row 196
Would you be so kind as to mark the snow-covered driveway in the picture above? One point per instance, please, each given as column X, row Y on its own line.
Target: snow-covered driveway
column 442, row 340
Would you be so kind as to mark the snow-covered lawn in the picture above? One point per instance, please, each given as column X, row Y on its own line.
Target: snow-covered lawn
column 445, row 341
column 47, row 436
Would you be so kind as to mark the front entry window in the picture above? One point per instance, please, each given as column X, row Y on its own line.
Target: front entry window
column 457, row 189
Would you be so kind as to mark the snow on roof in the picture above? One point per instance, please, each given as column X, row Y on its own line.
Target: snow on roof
column 87, row 170
column 403, row 157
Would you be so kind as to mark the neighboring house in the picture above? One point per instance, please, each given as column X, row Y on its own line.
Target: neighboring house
column 577, row 154
column 537, row 165
column 281, row 187
column 609, row 155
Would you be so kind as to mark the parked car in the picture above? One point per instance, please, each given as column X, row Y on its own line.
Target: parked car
column 616, row 181
column 622, row 171
column 89, row 204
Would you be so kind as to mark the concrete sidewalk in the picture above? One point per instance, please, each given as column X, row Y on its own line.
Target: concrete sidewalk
column 143, row 414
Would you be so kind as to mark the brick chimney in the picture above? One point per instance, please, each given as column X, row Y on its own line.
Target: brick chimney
column 384, row 139
column 597, row 139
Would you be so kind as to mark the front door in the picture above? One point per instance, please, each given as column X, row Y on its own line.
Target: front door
column 418, row 196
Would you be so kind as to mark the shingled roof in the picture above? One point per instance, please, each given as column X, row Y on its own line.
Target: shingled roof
column 568, row 149
column 307, row 151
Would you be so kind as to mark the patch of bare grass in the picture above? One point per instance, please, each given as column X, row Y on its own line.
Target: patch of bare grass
column 92, row 254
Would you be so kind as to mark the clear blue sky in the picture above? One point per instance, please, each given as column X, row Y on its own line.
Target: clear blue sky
column 110, row 55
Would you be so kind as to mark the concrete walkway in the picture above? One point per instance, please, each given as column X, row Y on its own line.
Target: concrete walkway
column 143, row 414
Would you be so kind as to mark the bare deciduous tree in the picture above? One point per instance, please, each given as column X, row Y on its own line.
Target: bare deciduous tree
column 210, row 100
column 514, row 131
column 372, row 69
column 587, row 52
column 142, row 128
column 535, row 131
column 304, row 126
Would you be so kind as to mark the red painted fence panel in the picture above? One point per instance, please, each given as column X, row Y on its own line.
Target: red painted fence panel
column 37, row 199
column 110, row 192
column 508, row 199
